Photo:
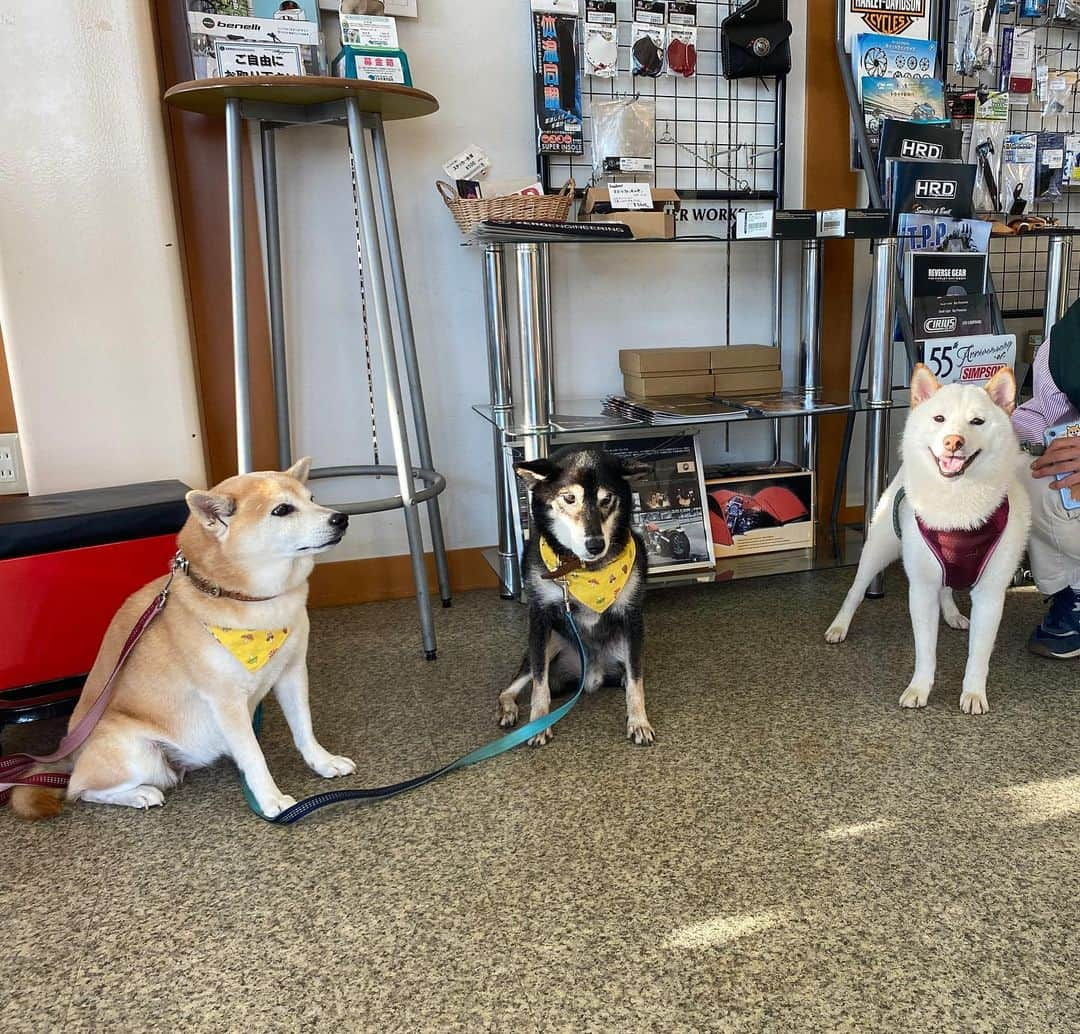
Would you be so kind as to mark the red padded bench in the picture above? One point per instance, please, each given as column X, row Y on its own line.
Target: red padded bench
column 67, row 562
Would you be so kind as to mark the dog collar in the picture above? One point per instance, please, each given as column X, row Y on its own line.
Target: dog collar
column 208, row 588
column 252, row 647
column 596, row 588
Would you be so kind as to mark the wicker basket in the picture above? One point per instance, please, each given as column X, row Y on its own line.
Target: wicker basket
column 468, row 212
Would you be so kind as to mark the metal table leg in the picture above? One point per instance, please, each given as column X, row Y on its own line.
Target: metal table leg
column 810, row 346
column 879, row 385
column 377, row 281
column 408, row 345
column 502, row 406
column 234, row 143
column 276, row 293
column 1058, row 262
column 535, row 348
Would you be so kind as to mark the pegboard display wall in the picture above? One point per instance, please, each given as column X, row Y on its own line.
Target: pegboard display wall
column 1018, row 264
column 715, row 138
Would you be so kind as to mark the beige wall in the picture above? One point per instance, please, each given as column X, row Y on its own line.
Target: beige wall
column 7, row 406
column 91, row 294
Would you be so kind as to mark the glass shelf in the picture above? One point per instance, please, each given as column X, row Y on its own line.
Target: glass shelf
column 586, row 416
column 832, row 551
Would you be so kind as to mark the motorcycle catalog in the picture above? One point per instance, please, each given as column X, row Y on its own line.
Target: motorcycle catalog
column 669, row 511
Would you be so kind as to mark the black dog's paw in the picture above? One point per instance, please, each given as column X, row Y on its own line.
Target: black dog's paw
column 641, row 732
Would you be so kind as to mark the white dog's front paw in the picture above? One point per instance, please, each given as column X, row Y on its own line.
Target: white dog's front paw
column 330, row 766
column 273, row 805
column 837, row 632
column 954, row 619
column 640, row 731
column 915, row 696
column 973, row 701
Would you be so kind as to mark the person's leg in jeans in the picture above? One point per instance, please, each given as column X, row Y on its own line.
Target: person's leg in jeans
column 1054, row 552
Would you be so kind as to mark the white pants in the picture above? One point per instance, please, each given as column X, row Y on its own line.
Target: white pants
column 1054, row 550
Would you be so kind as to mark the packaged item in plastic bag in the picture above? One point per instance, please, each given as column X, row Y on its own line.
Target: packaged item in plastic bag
column 682, row 39
column 987, row 140
column 624, row 137
column 1050, row 166
column 976, row 36
column 648, row 39
column 601, row 39
column 1018, row 172
column 1060, row 87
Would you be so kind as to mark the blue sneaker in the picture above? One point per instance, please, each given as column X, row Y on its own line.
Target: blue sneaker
column 1059, row 634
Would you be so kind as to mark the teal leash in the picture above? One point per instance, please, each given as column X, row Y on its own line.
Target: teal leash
column 310, row 805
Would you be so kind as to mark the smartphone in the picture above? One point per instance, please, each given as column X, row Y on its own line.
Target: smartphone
column 1069, row 496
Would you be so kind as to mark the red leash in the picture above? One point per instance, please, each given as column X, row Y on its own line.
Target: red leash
column 14, row 767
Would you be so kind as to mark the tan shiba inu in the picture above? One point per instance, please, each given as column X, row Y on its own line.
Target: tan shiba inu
column 235, row 627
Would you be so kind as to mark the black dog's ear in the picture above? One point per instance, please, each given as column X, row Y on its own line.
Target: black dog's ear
column 634, row 470
column 534, row 472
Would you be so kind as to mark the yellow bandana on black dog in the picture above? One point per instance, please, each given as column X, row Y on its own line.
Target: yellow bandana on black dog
column 597, row 589
column 252, row 647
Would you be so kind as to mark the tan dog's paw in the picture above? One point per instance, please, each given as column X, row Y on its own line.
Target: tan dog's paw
column 332, row 766
column 974, row 702
column 640, row 732
column 274, row 805
column 542, row 738
column 507, row 714
column 836, row 634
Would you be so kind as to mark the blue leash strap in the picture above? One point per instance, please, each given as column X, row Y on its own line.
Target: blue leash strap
column 310, row 805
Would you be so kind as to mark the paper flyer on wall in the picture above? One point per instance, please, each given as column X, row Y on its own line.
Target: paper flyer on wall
column 669, row 500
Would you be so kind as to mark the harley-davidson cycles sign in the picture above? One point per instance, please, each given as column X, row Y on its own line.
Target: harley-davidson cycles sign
column 888, row 17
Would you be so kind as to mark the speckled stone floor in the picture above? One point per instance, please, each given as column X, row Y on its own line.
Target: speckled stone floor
column 795, row 853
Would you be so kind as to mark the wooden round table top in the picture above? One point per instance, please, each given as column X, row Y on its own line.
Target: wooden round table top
column 391, row 100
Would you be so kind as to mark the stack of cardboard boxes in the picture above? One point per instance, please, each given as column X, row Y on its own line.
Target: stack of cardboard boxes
column 731, row 371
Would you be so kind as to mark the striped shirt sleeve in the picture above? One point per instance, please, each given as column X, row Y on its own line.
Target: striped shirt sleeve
column 1049, row 406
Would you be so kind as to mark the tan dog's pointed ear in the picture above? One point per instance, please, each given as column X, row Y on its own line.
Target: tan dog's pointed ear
column 536, row 471
column 211, row 510
column 300, row 470
column 1002, row 389
column 923, row 384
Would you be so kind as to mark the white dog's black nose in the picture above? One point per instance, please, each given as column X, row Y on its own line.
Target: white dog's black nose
column 594, row 545
column 339, row 521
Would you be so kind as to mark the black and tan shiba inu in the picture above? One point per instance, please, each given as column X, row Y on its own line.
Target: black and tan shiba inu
column 585, row 555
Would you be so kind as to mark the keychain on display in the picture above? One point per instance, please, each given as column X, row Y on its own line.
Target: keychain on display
column 601, row 39
column 1050, row 166
column 648, row 38
column 682, row 39
column 976, row 31
column 1018, row 172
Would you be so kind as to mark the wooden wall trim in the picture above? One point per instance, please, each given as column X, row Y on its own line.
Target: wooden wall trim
column 8, row 424
column 390, row 578
column 197, row 149
column 829, row 183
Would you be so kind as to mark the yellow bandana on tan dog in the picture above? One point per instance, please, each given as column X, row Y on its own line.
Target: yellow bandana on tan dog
column 252, row 647
column 598, row 589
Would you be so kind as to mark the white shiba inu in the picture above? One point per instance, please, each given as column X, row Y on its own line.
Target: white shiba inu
column 959, row 514
column 235, row 627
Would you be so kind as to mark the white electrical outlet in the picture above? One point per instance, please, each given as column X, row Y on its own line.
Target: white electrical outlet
column 12, row 475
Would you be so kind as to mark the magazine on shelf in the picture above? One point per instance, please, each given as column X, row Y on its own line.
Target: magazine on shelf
column 897, row 57
column 951, row 316
column 943, row 188
column 931, row 274
column 916, row 141
column 918, row 232
column 910, row 100
column 792, row 401
column 669, row 500
column 674, row 409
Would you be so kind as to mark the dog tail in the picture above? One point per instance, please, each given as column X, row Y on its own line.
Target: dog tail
column 40, row 802
column 37, row 802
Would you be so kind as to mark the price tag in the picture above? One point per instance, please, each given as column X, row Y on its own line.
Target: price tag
column 756, row 225
column 626, row 197
column 471, row 164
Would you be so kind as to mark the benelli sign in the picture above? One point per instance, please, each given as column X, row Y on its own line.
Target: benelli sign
column 938, row 190
column 889, row 17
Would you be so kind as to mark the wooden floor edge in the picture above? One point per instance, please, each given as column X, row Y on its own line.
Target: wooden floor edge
column 390, row 578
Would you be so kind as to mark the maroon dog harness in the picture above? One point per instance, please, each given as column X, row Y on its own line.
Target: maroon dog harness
column 961, row 552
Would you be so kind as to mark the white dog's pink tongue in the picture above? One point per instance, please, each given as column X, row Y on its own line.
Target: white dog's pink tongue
column 951, row 464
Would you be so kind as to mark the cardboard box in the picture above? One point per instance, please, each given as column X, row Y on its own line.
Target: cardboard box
column 763, row 381
column 657, row 386
column 761, row 513
column 741, row 357
column 657, row 223
column 663, row 360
